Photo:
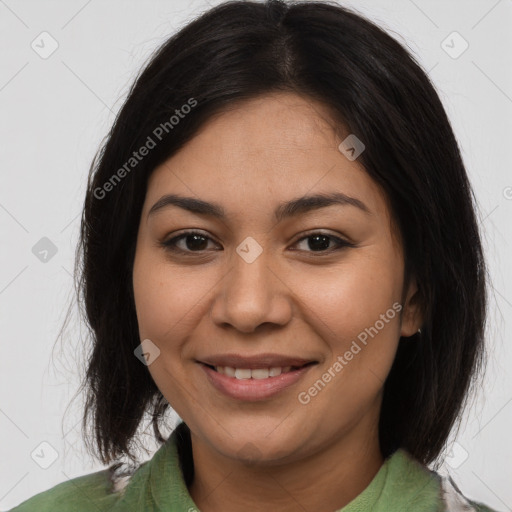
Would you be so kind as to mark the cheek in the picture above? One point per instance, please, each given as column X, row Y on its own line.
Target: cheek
column 154, row 296
column 350, row 298
column 355, row 311
column 356, row 314
column 164, row 305
column 167, row 298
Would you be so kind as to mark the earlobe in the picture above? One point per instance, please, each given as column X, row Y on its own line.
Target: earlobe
column 412, row 314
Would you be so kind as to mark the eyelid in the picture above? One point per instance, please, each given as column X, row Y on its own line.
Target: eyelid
column 341, row 242
column 341, row 238
column 167, row 244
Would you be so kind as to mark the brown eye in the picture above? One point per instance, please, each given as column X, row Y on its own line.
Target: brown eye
column 320, row 242
column 192, row 241
column 196, row 242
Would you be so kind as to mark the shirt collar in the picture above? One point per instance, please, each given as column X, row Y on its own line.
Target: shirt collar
column 401, row 483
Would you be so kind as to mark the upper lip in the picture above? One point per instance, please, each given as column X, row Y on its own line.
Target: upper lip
column 255, row 361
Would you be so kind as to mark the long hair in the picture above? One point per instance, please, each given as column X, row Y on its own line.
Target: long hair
column 372, row 86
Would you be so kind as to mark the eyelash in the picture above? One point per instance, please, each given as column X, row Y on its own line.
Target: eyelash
column 170, row 245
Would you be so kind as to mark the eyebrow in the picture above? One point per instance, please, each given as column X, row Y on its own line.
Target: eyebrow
column 285, row 210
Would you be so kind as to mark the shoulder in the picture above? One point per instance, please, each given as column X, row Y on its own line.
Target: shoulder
column 455, row 501
column 417, row 485
column 91, row 492
column 120, row 487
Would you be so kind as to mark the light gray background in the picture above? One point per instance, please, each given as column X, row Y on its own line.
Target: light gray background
column 54, row 113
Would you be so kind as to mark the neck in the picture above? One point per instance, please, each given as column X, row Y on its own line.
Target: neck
column 329, row 479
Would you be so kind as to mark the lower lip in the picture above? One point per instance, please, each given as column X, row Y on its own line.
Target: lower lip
column 253, row 389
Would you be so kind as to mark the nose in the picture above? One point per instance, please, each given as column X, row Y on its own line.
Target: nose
column 252, row 294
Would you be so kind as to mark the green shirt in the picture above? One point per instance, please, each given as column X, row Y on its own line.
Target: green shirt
column 401, row 484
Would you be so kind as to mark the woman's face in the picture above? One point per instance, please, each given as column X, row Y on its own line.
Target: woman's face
column 268, row 287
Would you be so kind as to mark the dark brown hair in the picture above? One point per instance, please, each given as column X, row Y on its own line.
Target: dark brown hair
column 376, row 89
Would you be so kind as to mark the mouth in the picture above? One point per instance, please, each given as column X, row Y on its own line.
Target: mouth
column 254, row 384
column 257, row 373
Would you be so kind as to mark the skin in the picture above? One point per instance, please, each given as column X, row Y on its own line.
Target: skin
column 291, row 300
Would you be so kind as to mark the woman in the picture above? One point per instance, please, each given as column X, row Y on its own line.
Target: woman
column 279, row 241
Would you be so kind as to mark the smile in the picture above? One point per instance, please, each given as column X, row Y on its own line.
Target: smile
column 254, row 384
column 257, row 373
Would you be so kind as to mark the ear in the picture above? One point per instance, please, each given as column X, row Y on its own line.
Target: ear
column 412, row 313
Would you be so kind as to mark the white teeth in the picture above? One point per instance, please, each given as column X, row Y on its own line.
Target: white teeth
column 274, row 372
column 257, row 373
column 230, row 372
column 260, row 373
column 242, row 373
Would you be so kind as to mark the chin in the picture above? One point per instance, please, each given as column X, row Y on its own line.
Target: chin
column 254, row 445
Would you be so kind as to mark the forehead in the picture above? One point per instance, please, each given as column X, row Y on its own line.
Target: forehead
column 272, row 125
column 274, row 147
